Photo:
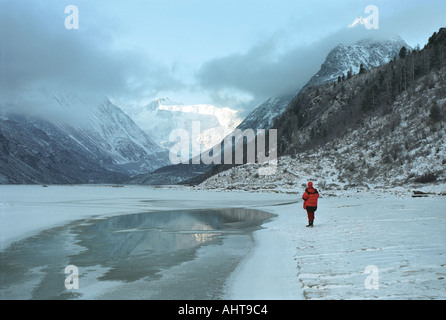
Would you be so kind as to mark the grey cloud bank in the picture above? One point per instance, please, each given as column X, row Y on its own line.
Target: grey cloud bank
column 38, row 54
column 265, row 72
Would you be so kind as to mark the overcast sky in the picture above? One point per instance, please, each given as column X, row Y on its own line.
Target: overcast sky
column 233, row 53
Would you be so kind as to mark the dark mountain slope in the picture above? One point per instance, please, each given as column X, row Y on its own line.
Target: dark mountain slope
column 323, row 113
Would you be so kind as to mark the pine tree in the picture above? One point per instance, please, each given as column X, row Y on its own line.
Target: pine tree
column 435, row 113
column 361, row 68
column 349, row 73
column 403, row 52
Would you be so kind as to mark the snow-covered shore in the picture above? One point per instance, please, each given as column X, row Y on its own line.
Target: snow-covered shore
column 365, row 245
column 372, row 245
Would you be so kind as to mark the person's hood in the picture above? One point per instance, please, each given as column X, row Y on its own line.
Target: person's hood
column 310, row 184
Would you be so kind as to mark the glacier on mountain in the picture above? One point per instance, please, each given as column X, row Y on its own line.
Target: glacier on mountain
column 160, row 117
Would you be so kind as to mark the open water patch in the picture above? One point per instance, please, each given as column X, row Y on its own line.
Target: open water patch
column 183, row 254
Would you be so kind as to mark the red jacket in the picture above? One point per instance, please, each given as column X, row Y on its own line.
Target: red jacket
column 310, row 197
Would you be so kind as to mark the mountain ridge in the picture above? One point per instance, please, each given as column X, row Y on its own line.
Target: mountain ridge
column 384, row 128
column 348, row 58
column 106, row 147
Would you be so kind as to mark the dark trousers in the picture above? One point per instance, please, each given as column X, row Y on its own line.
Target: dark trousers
column 310, row 213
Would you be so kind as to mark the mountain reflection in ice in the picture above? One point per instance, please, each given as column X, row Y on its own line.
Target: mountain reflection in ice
column 130, row 248
column 147, row 242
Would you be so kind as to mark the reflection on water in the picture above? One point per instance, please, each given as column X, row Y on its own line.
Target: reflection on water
column 132, row 249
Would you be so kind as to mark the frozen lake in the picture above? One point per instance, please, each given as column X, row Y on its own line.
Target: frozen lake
column 168, row 254
column 184, row 254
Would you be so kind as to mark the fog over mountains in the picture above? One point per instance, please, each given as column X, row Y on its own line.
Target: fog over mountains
column 104, row 146
column 369, row 52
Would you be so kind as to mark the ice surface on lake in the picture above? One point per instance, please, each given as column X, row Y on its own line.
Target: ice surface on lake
column 133, row 256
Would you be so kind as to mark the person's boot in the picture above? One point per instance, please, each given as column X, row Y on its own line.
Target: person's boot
column 310, row 224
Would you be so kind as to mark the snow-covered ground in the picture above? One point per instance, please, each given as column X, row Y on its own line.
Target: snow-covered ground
column 381, row 244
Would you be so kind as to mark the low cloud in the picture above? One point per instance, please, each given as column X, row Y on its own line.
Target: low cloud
column 267, row 70
column 39, row 54
column 261, row 72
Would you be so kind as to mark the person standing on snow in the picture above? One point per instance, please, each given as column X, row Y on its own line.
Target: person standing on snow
column 310, row 202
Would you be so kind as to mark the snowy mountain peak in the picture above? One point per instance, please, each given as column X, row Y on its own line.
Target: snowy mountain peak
column 164, row 101
column 358, row 22
column 344, row 58
column 167, row 102
column 369, row 51
column 160, row 117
